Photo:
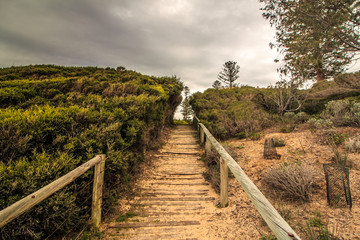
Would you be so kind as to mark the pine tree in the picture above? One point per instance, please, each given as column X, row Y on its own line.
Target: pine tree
column 229, row 73
column 186, row 109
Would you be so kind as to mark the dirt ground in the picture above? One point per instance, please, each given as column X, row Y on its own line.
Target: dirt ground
column 240, row 220
column 303, row 147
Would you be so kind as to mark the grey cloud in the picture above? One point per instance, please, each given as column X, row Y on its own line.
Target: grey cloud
column 190, row 39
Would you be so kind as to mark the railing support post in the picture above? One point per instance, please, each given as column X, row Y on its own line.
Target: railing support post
column 207, row 146
column 97, row 193
column 201, row 136
column 224, row 184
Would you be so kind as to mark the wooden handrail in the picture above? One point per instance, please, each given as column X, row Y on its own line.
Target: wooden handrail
column 21, row 206
column 276, row 223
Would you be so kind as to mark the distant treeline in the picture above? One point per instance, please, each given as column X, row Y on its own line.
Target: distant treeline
column 54, row 118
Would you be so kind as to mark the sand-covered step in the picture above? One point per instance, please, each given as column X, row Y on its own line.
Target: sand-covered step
column 184, row 199
column 152, row 224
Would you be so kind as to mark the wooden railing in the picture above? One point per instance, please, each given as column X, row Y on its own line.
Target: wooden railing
column 21, row 206
column 276, row 223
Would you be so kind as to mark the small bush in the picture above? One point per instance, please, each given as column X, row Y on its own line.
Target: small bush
column 252, row 135
column 268, row 237
column 320, row 123
column 289, row 116
column 318, row 229
column 353, row 144
column 293, row 181
column 301, row 117
column 241, row 135
column 330, row 136
column 255, row 136
column 287, row 129
column 342, row 113
column 338, row 138
column 279, row 142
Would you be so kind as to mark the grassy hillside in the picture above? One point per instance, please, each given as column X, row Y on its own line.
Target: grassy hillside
column 54, row 118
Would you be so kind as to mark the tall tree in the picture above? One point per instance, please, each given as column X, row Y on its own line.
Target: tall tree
column 229, row 73
column 309, row 45
column 186, row 109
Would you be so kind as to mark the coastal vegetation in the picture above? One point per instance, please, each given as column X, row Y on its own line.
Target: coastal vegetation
column 54, row 118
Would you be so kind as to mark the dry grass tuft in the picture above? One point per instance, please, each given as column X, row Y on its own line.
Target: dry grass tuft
column 293, row 181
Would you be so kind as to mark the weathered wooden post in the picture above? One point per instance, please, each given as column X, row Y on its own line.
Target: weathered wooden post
column 201, row 136
column 97, row 192
column 224, row 183
column 207, row 146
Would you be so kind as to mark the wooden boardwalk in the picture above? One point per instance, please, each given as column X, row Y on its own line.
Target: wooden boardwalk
column 175, row 201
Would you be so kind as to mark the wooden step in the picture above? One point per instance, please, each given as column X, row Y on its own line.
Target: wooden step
column 186, row 199
column 152, row 224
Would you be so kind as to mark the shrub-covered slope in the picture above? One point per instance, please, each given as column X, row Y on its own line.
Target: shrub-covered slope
column 246, row 110
column 54, row 118
column 343, row 86
column 228, row 112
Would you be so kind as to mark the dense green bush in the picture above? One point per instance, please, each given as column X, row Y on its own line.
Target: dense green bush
column 325, row 91
column 229, row 112
column 343, row 113
column 338, row 113
column 52, row 119
column 350, row 80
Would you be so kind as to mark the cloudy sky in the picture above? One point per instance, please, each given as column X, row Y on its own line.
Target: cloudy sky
column 187, row 38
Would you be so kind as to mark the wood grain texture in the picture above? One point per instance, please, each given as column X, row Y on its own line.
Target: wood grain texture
column 97, row 193
column 224, row 183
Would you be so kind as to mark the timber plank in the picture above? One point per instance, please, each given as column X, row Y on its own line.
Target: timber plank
column 153, row 224
column 185, row 199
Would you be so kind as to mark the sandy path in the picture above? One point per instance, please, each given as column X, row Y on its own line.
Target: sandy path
column 175, row 202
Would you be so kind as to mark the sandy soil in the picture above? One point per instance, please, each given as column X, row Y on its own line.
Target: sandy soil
column 240, row 220
column 302, row 146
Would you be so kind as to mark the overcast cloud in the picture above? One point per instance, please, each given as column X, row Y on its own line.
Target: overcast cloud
column 187, row 38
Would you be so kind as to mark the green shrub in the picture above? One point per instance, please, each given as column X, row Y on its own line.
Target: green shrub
column 241, row 135
column 267, row 237
column 301, row 117
column 318, row 229
column 342, row 113
column 289, row 116
column 62, row 117
column 287, row 128
column 279, row 142
column 320, row 123
column 252, row 135
column 229, row 112
column 350, row 80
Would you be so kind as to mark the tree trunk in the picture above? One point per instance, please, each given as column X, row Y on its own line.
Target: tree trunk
column 319, row 75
